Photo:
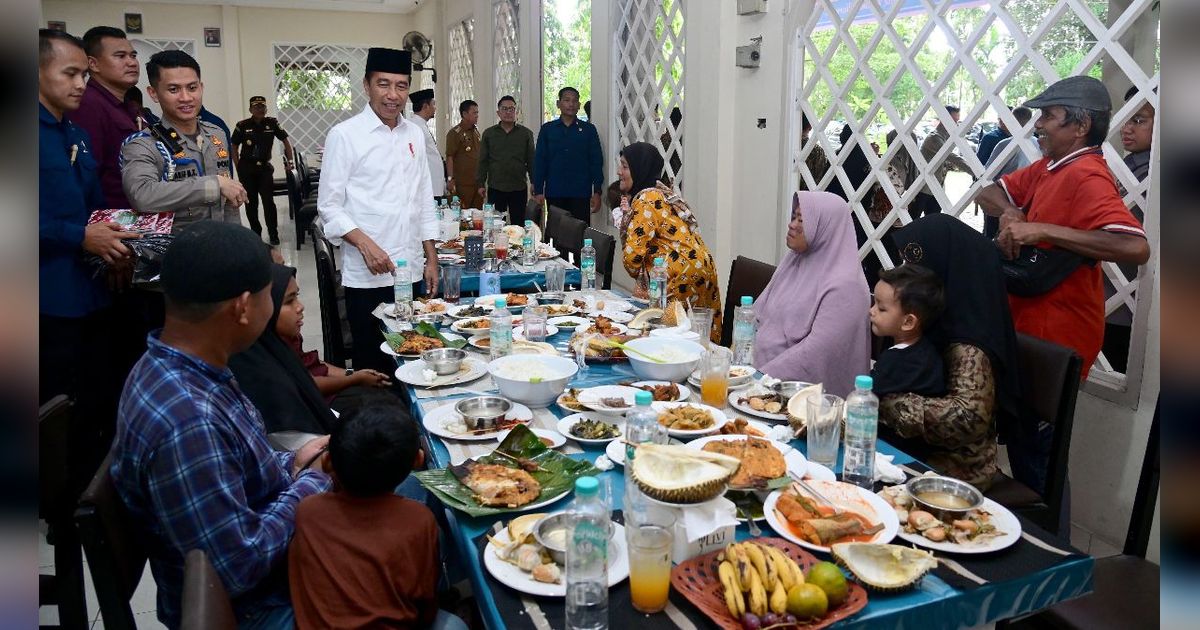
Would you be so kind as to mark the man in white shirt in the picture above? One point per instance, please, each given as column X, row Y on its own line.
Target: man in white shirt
column 424, row 109
column 375, row 201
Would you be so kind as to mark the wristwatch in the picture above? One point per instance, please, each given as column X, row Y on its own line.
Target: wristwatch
column 349, row 371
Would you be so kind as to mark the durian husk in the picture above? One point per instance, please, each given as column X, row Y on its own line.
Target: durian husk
column 698, row 475
column 883, row 568
column 522, row 526
column 675, row 314
column 644, row 317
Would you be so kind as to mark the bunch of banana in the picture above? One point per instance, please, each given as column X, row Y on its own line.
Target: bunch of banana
column 762, row 573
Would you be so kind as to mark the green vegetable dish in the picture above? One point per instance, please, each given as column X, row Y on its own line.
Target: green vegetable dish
column 589, row 429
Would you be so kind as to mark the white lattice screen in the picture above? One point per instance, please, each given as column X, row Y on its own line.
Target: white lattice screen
column 997, row 53
column 316, row 87
column 462, row 65
column 507, row 49
column 649, row 62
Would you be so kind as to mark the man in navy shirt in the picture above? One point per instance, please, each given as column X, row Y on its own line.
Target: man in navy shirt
column 568, row 166
column 72, row 303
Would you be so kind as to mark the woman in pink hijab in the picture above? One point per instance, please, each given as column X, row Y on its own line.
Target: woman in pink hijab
column 813, row 320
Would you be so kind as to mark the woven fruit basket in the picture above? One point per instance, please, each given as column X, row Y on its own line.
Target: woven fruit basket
column 697, row 580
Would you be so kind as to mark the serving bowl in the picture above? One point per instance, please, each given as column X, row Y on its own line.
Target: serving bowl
column 961, row 490
column 482, row 412
column 444, row 361
column 552, row 522
column 682, row 357
column 533, row 380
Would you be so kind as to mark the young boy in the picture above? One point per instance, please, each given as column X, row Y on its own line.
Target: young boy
column 363, row 556
column 907, row 301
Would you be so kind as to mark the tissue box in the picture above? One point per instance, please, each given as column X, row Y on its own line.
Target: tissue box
column 685, row 548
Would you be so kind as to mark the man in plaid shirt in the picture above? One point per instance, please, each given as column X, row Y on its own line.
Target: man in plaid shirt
column 191, row 458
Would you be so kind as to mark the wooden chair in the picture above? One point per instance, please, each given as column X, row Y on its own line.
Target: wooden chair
column 56, row 501
column 606, row 246
column 337, row 344
column 114, row 554
column 746, row 277
column 205, row 603
column 1050, row 374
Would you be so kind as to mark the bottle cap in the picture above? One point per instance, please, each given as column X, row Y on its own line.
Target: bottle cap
column 587, row 242
column 864, row 382
column 455, row 197
column 528, row 222
column 501, row 303
column 747, row 300
column 658, row 261
column 400, row 262
column 586, row 486
column 643, row 399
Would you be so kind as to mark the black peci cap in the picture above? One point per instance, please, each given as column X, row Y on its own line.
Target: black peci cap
column 213, row 261
column 389, row 60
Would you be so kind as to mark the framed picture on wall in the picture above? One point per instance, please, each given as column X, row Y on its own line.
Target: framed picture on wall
column 212, row 37
column 55, row 25
column 133, row 23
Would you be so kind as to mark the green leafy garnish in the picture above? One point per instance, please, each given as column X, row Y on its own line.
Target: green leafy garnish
column 429, row 330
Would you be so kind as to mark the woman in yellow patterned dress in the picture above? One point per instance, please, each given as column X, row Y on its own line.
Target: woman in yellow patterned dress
column 655, row 221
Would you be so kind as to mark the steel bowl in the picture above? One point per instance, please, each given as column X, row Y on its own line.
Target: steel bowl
column 551, row 522
column 482, row 412
column 934, row 483
column 430, row 318
column 550, row 297
column 787, row 389
column 444, row 361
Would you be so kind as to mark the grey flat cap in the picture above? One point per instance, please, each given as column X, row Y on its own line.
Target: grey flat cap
column 1085, row 92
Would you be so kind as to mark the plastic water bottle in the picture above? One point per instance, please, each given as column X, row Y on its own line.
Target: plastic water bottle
column 862, row 425
column 587, row 558
column 743, row 332
column 587, row 266
column 658, row 284
column 528, row 246
column 500, row 331
column 489, row 215
column 641, row 427
column 464, row 223
column 402, row 290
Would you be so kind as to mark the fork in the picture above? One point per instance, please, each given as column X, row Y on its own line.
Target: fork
column 755, row 530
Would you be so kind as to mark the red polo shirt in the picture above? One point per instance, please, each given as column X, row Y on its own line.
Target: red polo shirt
column 108, row 121
column 1077, row 192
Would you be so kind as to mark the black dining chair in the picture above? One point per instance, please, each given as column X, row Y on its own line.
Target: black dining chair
column 111, row 541
column 605, row 245
column 570, row 237
column 553, row 229
column 1050, row 379
column 334, row 336
column 205, row 604
column 56, row 502
column 746, row 277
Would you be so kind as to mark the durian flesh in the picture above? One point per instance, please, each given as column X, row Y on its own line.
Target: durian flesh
column 676, row 474
column 885, row 568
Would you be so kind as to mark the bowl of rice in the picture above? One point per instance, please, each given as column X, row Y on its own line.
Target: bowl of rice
column 679, row 358
column 531, row 379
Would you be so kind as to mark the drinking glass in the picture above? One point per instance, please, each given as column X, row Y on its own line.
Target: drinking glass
column 477, row 220
column 501, row 247
column 702, row 319
column 534, row 323
column 714, row 376
column 650, row 544
column 451, row 282
column 555, row 276
column 824, row 420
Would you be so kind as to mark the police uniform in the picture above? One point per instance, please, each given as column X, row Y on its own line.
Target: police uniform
column 162, row 169
column 254, row 139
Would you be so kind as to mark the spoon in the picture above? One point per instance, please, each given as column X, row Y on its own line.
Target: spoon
column 616, row 344
column 755, row 530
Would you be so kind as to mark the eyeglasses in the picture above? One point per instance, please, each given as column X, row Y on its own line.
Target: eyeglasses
column 508, row 109
column 1139, row 121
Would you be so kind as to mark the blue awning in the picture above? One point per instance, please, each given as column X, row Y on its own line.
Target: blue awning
column 866, row 14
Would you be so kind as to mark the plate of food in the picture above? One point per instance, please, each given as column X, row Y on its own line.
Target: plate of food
column 760, row 402
column 521, row 474
column 466, row 311
column 409, row 344
column 452, row 246
column 620, row 317
column 430, row 305
column 513, row 301
column 519, row 331
column 568, row 322
column 451, row 259
column 955, row 528
column 516, row 559
column 663, row 391
column 610, row 400
column 857, row 515
column 569, row 400
column 603, row 325
column 687, row 420
column 475, row 325
column 551, row 439
column 560, row 310
column 589, row 428
column 418, row 374
column 742, row 426
column 739, row 375
column 599, row 349
column 763, row 461
column 446, row 422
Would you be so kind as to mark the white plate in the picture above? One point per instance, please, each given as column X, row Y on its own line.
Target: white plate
column 560, row 404
column 739, row 375
column 509, row 575
column 884, row 513
column 1002, row 518
column 796, row 463
column 590, row 398
column 557, row 438
column 411, row 373
column 615, row 451
column 719, row 418
column 423, row 307
column 490, row 300
column 618, row 329
column 695, row 382
column 387, row 349
column 460, row 325
column 565, row 424
column 747, row 409
column 819, row 472
column 619, row 317
column 684, row 392
column 757, row 424
column 563, row 310
column 441, row 421
column 477, row 342
column 569, row 322
column 454, row 311
column 551, row 330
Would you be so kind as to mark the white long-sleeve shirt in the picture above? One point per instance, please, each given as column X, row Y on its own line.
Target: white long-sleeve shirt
column 375, row 178
column 437, row 168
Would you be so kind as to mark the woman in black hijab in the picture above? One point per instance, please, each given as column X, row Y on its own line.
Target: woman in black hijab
column 956, row 433
column 275, row 380
column 856, row 166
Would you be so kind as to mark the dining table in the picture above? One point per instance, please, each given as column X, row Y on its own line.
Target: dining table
column 1038, row 571
column 517, row 277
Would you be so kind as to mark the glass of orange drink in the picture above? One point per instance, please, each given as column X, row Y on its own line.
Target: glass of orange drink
column 651, row 539
column 714, row 376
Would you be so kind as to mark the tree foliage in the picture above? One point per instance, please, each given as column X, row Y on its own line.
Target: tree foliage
column 323, row 86
column 566, row 55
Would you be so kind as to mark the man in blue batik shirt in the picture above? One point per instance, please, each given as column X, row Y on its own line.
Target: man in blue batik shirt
column 568, row 165
column 191, row 460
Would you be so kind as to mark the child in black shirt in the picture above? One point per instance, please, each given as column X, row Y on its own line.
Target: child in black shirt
column 907, row 301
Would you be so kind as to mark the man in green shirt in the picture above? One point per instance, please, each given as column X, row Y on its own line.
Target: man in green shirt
column 506, row 162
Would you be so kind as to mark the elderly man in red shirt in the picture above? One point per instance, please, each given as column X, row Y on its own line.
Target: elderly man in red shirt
column 1069, row 200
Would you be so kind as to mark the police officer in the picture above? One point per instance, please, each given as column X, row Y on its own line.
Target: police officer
column 252, row 142
column 180, row 163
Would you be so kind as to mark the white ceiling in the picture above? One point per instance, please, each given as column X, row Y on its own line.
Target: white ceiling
column 366, row 6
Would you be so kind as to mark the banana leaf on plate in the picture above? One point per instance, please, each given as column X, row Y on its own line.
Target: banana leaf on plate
column 554, row 471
